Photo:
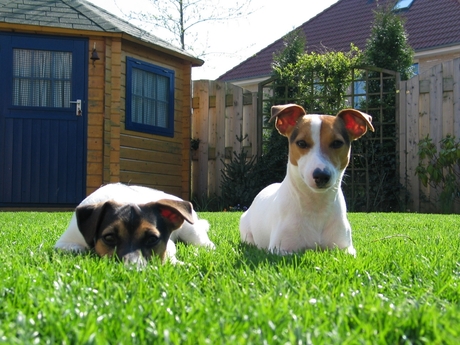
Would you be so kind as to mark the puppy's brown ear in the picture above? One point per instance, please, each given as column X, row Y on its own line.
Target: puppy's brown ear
column 356, row 122
column 286, row 116
column 89, row 218
column 174, row 212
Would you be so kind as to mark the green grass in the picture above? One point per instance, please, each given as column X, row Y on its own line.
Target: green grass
column 398, row 290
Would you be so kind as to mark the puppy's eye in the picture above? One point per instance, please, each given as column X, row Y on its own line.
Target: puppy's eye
column 110, row 240
column 337, row 144
column 151, row 241
column 302, row 144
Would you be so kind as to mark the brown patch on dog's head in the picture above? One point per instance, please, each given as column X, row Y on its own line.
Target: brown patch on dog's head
column 335, row 141
column 300, row 140
column 134, row 233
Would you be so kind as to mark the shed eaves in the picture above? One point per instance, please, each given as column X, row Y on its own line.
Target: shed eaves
column 429, row 24
column 78, row 15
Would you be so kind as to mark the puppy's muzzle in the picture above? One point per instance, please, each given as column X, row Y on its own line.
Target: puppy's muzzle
column 134, row 258
column 321, row 177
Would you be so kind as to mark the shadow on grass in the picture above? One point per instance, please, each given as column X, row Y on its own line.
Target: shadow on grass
column 254, row 257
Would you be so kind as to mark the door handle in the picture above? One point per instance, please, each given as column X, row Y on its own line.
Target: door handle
column 78, row 106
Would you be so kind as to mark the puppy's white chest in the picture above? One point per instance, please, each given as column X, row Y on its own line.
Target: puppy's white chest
column 308, row 232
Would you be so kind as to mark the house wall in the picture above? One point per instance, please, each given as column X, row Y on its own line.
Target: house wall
column 428, row 62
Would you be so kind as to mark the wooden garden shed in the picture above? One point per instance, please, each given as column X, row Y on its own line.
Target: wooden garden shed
column 87, row 99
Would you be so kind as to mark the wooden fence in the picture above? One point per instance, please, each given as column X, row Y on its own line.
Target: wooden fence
column 222, row 113
column 429, row 105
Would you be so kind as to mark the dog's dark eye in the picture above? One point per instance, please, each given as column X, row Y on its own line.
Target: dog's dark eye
column 151, row 241
column 110, row 240
column 337, row 144
column 302, row 144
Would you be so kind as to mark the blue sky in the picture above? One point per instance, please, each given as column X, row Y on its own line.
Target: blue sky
column 234, row 41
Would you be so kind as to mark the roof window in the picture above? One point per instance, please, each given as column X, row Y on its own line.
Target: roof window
column 403, row 5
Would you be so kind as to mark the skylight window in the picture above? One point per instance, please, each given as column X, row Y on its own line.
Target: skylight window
column 403, row 5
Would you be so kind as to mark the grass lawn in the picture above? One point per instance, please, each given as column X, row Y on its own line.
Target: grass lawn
column 398, row 290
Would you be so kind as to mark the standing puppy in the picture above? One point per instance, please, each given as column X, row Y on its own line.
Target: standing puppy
column 133, row 223
column 307, row 210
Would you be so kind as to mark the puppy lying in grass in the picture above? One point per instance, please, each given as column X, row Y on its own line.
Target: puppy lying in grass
column 134, row 223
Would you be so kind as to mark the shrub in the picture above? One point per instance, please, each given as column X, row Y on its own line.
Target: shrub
column 441, row 169
column 238, row 182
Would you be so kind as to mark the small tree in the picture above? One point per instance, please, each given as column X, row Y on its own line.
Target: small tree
column 388, row 46
column 238, row 181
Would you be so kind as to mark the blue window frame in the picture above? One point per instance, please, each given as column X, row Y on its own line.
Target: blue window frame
column 149, row 98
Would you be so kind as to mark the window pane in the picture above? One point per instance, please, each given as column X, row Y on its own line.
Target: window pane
column 163, row 88
column 42, row 78
column 150, row 113
column 137, row 82
column 162, row 110
column 150, row 98
column 136, row 109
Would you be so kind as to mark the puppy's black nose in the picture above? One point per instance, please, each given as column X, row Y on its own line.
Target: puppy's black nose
column 321, row 177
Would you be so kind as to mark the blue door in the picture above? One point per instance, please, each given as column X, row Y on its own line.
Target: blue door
column 42, row 133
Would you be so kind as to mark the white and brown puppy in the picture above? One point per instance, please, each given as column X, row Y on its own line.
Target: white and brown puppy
column 307, row 209
column 134, row 223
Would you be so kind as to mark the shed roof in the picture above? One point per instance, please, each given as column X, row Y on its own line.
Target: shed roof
column 429, row 24
column 81, row 15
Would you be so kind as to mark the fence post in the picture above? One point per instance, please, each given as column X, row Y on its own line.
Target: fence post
column 201, row 132
column 412, row 138
column 220, row 133
column 456, row 106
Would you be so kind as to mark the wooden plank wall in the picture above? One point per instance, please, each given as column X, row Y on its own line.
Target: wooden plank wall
column 96, row 107
column 221, row 112
column 104, row 97
column 152, row 160
column 119, row 155
column 429, row 105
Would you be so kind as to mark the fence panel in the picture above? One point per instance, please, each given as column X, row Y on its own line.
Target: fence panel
column 222, row 113
column 430, row 106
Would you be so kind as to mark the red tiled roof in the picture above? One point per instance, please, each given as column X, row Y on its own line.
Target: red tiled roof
column 429, row 24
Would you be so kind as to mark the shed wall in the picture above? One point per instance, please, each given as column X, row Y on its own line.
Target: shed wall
column 119, row 155
column 153, row 160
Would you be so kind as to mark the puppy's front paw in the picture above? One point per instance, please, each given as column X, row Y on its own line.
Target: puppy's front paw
column 207, row 243
column 173, row 261
column 351, row 250
column 71, row 247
